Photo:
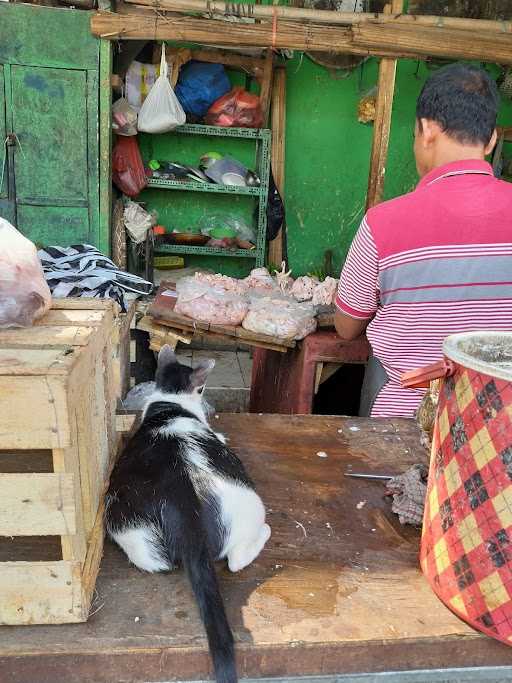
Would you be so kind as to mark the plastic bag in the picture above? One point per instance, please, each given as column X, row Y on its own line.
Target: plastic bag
column 124, row 118
column 137, row 222
column 127, row 167
column 200, row 85
column 280, row 317
column 209, row 304
column 140, row 78
column 161, row 110
column 366, row 106
column 275, row 209
column 242, row 230
column 24, row 293
column 237, row 108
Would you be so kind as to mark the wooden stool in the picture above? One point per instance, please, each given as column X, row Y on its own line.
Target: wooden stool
column 287, row 382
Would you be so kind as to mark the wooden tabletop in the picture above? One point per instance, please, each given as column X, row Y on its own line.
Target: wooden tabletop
column 337, row 589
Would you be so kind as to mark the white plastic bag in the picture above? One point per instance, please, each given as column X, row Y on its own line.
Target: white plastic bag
column 24, row 294
column 161, row 110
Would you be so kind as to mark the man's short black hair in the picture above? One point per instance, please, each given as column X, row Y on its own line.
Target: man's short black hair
column 463, row 100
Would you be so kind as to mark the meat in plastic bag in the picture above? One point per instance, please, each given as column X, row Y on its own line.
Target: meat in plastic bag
column 279, row 317
column 24, row 293
column 209, row 304
column 237, row 108
column 325, row 292
column 303, row 288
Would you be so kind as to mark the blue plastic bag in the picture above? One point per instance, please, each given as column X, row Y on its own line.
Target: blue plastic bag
column 199, row 85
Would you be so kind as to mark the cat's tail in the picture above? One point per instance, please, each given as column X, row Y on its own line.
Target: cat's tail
column 199, row 566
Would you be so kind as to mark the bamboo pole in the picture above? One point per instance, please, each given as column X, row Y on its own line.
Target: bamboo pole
column 382, row 122
column 275, row 247
column 269, row 12
column 382, row 40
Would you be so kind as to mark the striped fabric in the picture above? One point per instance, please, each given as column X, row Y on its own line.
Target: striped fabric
column 429, row 264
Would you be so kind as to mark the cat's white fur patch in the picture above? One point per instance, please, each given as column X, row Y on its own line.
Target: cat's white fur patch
column 192, row 403
column 138, row 544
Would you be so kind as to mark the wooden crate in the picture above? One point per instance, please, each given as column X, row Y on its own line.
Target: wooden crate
column 59, row 385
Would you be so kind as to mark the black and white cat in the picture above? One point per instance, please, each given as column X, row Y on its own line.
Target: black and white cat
column 179, row 496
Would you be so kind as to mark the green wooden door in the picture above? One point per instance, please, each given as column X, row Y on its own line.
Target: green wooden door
column 49, row 118
column 58, row 162
column 6, row 193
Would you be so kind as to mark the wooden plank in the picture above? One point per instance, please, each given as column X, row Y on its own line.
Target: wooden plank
column 382, row 40
column 58, row 336
column 37, row 504
column 34, row 413
column 72, row 316
column 295, row 13
column 266, row 85
column 125, row 422
column 275, row 247
column 382, row 122
column 39, row 593
column 148, row 324
column 31, row 362
column 87, row 303
column 346, row 598
column 66, row 461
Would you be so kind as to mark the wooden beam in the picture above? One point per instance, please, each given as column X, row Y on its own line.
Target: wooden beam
column 266, row 85
column 272, row 12
column 275, row 247
column 383, row 40
column 382, row 122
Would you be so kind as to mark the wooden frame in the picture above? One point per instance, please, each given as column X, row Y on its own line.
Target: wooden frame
column 59, row 384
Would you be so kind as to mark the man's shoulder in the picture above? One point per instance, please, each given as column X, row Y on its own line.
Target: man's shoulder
column 393, row 209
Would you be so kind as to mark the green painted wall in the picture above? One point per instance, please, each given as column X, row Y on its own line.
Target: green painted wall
column 328, row 153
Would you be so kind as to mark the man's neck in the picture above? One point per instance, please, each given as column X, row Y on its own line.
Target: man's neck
column 447, row 154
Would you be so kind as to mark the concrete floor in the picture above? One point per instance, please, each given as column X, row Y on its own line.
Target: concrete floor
column 230, row 380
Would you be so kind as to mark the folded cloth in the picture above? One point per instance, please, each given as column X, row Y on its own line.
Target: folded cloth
column 409, row 490
column 83, row 271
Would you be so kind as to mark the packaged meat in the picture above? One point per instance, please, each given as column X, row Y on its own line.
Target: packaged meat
column 24, row 293
column 279, row 317
column 303, row 288
column 325, row 292
column 260, row 278
column 209, row 303
column 230, row 284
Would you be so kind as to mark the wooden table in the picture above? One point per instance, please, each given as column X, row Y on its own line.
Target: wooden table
column 337, row 590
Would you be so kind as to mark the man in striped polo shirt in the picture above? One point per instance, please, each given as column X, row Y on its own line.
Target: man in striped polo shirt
column 437, row 260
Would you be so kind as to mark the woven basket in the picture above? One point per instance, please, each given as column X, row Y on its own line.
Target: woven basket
column 466, row 547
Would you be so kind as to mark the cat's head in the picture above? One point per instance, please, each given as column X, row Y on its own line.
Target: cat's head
column 174, row 378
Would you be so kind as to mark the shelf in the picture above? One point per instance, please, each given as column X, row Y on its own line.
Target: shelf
column 206, row 251
column 219, row 131
column 159, row 183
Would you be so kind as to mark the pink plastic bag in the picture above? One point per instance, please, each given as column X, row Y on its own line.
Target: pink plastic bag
column 238, row 108
column 24, row 293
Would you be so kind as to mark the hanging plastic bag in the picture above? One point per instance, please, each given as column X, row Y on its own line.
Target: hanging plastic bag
column 238, row 108
column 127, row 167
column 124, row 118
column 161, row 110
column 140, row 78
column 24, row 294
column 137, row 222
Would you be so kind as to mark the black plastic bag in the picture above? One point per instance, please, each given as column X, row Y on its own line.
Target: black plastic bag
column 275, row 210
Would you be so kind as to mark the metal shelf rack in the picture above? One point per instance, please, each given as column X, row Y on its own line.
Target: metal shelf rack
column 261, row 138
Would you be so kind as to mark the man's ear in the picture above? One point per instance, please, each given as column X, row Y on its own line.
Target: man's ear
column 200, row 374
column 429, row 131
column 492, row 143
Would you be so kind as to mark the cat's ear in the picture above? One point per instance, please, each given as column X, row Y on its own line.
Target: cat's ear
column 200, row 375
column 166, row 356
